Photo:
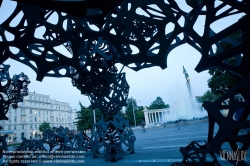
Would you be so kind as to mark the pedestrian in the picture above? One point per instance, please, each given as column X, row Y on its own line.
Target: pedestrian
column 143, row 126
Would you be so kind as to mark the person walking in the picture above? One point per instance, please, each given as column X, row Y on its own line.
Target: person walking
column 143, row 126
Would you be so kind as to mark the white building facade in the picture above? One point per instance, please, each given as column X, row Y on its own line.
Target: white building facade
column 73, row 117
column 35, row 109
column 173, row 113
column 154, row 116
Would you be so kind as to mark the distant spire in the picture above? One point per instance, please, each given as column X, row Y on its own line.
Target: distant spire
column 186, row 74
column 184, row 70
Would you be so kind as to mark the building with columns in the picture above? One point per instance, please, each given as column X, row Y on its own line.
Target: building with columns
column 159, row 115
column 171, row 114
column 35, row 109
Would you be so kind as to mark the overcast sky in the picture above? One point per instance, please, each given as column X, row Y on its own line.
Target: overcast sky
column 145, row 85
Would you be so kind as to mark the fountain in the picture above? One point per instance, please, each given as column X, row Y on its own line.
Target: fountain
column 185, row 106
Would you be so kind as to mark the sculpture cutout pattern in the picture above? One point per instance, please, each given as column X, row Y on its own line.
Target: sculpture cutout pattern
column 77, row 144
column 12, row 90
column 122, row 35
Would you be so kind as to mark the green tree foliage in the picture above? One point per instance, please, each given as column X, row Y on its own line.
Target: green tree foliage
column 158, row 103
column 85, row 117
column 44, row 126
column 208, row 96
column 129, row 115
column 221, row 80
column 140, row 117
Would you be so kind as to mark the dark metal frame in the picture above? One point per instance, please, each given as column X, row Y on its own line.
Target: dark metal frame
column 101, row 50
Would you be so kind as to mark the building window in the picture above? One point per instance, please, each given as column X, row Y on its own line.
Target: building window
column 22, row 118
column 39, row 112
column 35, row 119
column 35, row 126
column 9, row 127
column 47, row 119
column 56, row 119
column 35, row 111
column 30, row 126
column 35, row 98
column 30, row 111
column 47, row 112
column 14, row 127
column 15, row 119
column 22, row 126
column 62, row 119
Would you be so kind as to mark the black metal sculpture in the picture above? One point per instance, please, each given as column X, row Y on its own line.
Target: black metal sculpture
column 3, row 145
column 119, row 31
column 12, row 91
column 111, row 133
column 60, row 140
column 66, row 139
column 196, row 154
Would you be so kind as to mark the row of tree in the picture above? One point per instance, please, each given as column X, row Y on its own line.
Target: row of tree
column 85, row 118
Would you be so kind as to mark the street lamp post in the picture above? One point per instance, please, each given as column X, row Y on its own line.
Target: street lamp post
column 134, row 112
column 93, row 112
column 94, row 115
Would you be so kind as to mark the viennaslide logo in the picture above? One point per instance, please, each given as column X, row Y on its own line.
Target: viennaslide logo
column 238, row 155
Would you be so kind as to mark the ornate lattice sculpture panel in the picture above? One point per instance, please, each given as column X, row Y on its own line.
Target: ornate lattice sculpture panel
column 113, row 102
column 93, row 54
column 64, row 138
column 111, row 134
column 196, row 154
column 12, row 90
column 128, row 29
column 230, row 126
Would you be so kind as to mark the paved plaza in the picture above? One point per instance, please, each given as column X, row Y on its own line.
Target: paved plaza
column 156, row 146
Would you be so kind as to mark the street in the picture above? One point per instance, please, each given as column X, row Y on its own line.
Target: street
column 158, row 146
